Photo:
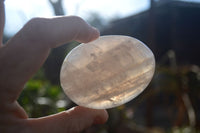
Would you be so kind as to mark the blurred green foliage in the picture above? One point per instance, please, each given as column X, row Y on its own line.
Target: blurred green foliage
column 170, row 104
column 166, row 106
column 40, row 97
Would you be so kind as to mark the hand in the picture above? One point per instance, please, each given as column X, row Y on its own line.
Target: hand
column 22, row 56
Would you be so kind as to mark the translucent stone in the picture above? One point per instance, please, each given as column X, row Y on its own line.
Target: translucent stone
column 107, row 72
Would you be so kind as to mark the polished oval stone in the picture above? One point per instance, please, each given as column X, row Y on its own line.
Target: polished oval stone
column 107, row 72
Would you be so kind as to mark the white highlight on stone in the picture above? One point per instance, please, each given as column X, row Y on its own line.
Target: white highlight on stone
column 107, row 72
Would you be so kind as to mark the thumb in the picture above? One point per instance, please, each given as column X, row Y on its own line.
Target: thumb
column 72, row 121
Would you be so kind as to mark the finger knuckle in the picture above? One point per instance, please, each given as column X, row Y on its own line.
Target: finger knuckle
column 34, row 27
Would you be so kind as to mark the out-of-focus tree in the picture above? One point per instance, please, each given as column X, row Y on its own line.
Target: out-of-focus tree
column 170, row 104
column 96, row 20
column 54, row 61
column 57, row 6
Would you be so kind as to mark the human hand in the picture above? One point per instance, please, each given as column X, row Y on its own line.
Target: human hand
column 22, row 56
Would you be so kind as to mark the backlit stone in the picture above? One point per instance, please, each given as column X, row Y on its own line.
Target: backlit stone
column 107, row 72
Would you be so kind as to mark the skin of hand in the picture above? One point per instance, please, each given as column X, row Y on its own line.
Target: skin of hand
column 22, row 56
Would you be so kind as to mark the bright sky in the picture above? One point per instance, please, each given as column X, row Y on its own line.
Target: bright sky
column 18, row 12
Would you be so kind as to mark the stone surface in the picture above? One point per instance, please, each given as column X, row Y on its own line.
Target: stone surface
column 107, row 72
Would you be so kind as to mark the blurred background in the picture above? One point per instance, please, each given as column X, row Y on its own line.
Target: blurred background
column 171, row 28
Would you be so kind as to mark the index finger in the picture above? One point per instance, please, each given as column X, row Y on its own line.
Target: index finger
column 27, row 50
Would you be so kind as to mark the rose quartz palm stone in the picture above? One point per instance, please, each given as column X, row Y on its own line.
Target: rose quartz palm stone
column 107, row 72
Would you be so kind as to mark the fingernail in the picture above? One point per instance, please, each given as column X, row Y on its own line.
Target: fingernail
column 101, row 119
column 96, row 32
